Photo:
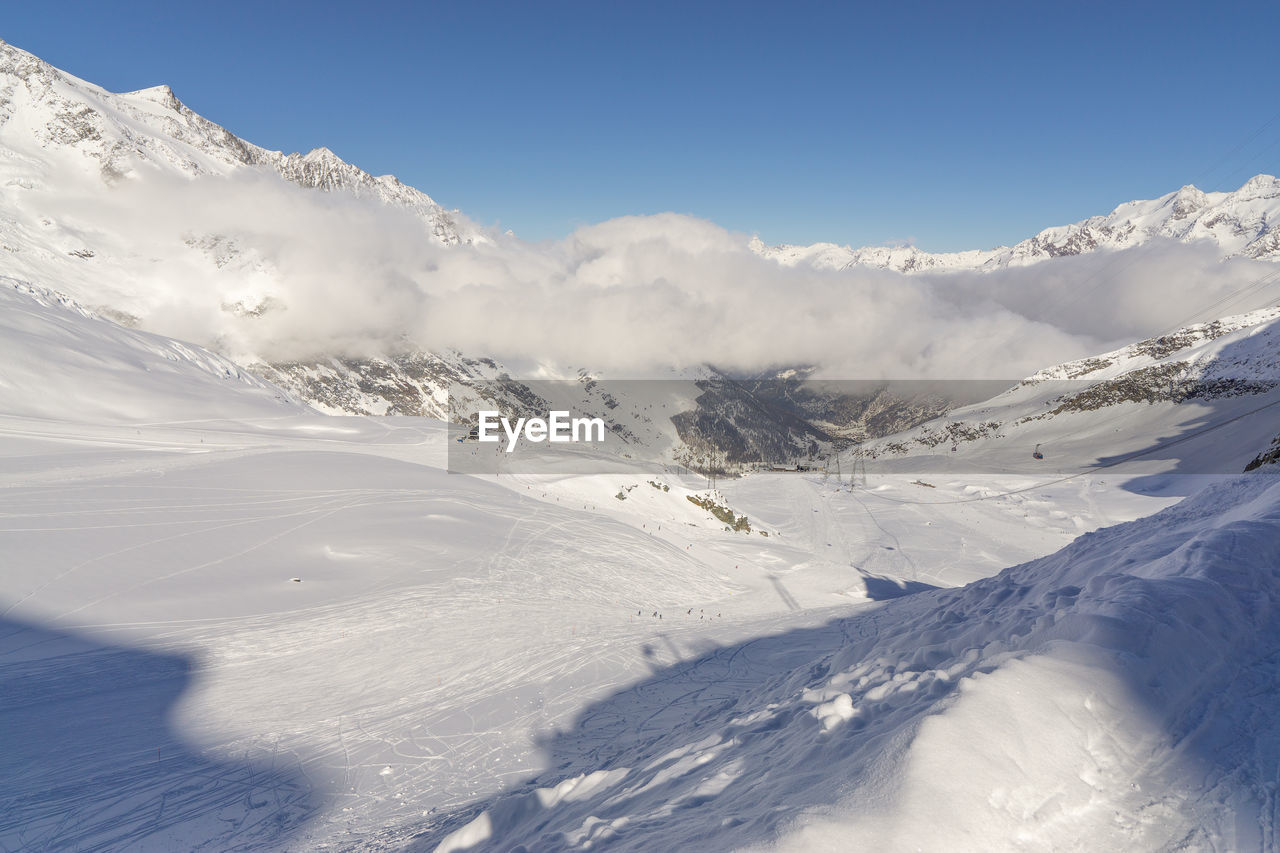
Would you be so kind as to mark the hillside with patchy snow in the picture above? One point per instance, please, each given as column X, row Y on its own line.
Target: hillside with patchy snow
column 1213, row 383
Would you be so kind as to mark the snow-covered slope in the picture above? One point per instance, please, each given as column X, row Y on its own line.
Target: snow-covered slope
column 230, row 622
column 1117, row 695
column 60, row 361
column 1241, row 223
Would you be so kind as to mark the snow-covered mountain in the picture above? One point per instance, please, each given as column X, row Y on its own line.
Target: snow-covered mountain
column 229, row 621
column 45, row 112
column 1242, row 224
column 1101, row 407
column 70, row 151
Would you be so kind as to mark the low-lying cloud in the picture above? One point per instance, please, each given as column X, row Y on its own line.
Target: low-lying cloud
column 254, row 267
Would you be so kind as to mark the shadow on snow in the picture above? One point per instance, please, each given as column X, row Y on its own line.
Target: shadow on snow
column 89, row 760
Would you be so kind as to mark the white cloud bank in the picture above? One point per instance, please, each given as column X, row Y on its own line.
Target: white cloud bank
column 630, row 296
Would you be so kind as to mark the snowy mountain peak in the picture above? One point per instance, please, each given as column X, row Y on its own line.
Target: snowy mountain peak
column 161, row 94
column 1260, row 186
column 322, row 155
column 1187, row 201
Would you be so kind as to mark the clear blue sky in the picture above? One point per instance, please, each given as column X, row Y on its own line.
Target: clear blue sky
column 953, row 125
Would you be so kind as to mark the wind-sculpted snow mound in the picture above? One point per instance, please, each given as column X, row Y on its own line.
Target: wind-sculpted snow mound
column 1116, row 695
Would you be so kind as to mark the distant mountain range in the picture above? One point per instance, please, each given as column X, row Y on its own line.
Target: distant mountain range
column 1243, row 224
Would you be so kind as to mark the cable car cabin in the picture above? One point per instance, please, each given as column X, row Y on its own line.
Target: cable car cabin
column 1036, row 454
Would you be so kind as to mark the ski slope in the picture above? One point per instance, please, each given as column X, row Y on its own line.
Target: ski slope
column 442, row 626
column 1116, row 695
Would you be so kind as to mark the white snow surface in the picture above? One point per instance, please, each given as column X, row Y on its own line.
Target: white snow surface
column 1116, row 695
column 232, row 624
